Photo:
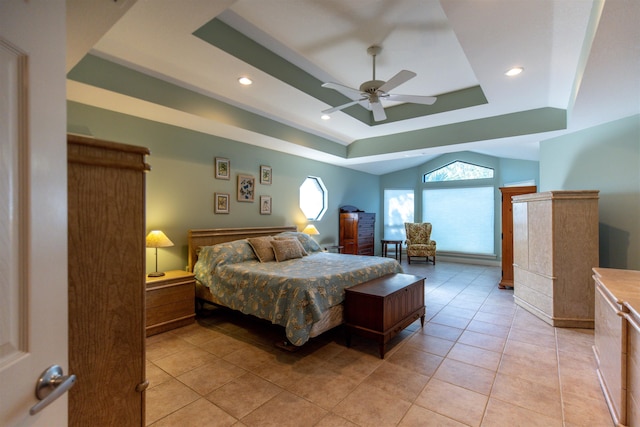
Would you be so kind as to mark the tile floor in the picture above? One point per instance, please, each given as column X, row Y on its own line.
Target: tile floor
column 480, row 360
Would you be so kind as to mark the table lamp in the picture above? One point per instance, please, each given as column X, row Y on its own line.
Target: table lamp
column 157, row 239
column 310, row 230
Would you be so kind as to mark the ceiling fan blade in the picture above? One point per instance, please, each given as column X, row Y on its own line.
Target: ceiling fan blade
column 378, row 111
column 414, row 99
column 342, row 89
column 397, row 80
column 340, row 107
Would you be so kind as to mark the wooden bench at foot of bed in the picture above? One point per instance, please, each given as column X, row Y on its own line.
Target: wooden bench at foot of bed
column 382, row 307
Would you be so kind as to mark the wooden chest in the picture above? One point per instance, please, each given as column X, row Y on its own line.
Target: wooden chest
column 383, row 307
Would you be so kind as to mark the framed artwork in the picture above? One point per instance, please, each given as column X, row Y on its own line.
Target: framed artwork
column 265, row 205
column 246, row 188
column 265, row 175
column 223, row 168
column 221, row 203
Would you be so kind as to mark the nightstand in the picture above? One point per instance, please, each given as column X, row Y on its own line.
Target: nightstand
column 170, row 301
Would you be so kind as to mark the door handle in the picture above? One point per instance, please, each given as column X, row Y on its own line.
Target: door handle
column 50, row 386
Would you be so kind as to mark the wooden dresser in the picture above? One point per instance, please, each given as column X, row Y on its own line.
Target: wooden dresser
column 106, row 217
column 357, row 231
column 617, row 341
column 507, row 232
column 170, row 301
column 555, row 246
column 382, row 307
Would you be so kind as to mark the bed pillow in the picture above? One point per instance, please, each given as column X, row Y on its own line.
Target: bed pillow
column 285, row 249
column 297, row 241
column 262, row 247
column 307, row 241
column 211, row 257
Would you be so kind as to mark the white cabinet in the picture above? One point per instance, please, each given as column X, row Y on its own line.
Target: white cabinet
column 555, row 246
column 617, row 340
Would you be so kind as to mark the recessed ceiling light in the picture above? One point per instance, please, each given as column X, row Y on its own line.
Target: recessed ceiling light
column 514, row 71
column 325, row 117
column 245, row 81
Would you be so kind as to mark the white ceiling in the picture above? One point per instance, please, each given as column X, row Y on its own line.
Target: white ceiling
column 577, row 55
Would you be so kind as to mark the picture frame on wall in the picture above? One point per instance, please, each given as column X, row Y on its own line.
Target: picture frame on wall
column 265, row 205
column 246, row 188
column 265, row 175
column 221, row 203
column 223, row 168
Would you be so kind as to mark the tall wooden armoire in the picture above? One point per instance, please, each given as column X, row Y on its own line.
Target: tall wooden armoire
column 357, row 231
column 555, row 248
column 106, row 239
column 507, row 231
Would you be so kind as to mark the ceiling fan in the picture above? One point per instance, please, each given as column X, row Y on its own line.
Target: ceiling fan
column 376, row 90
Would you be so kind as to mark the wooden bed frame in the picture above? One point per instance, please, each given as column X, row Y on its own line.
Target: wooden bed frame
column 213, row 236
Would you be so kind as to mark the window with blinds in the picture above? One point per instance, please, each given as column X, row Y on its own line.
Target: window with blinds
column 398, row 209
column 462, row 218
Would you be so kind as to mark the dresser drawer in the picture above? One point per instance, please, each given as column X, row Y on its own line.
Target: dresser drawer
column 365, row 247
column 610, row 346
column 366, row 218
column 157, row 297
column 633, row 369
column 171, row 311
column 365, row 234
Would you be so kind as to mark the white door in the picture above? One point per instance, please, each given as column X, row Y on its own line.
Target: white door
column 33, row 207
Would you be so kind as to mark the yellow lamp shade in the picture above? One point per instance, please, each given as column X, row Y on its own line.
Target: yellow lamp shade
column 157, row 239
column 311, row 230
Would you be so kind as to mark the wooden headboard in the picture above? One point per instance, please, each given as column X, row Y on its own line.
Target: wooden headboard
column 213, row 236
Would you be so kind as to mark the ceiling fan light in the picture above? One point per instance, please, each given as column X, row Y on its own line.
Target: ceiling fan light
column 514, row 71
column 245, row 81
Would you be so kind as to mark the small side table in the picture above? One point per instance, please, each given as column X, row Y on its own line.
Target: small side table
column 334, row 248
column 398, row 245
column 170, row 301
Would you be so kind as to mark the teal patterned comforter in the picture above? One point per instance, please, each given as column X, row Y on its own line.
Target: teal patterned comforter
column 293, row 293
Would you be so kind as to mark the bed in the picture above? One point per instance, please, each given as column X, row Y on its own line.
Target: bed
column 303, row 292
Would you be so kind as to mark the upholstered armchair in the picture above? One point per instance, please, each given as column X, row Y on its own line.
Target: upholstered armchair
column 419, row 243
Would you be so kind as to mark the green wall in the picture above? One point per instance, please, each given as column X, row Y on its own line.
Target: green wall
column 181, row 183
column 605, row 158
column 507, row 172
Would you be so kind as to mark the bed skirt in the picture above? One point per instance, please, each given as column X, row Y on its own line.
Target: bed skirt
column 329, row 320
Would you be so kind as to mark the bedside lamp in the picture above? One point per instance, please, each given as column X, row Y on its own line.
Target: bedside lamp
column 310, row 230
column 157, row 239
